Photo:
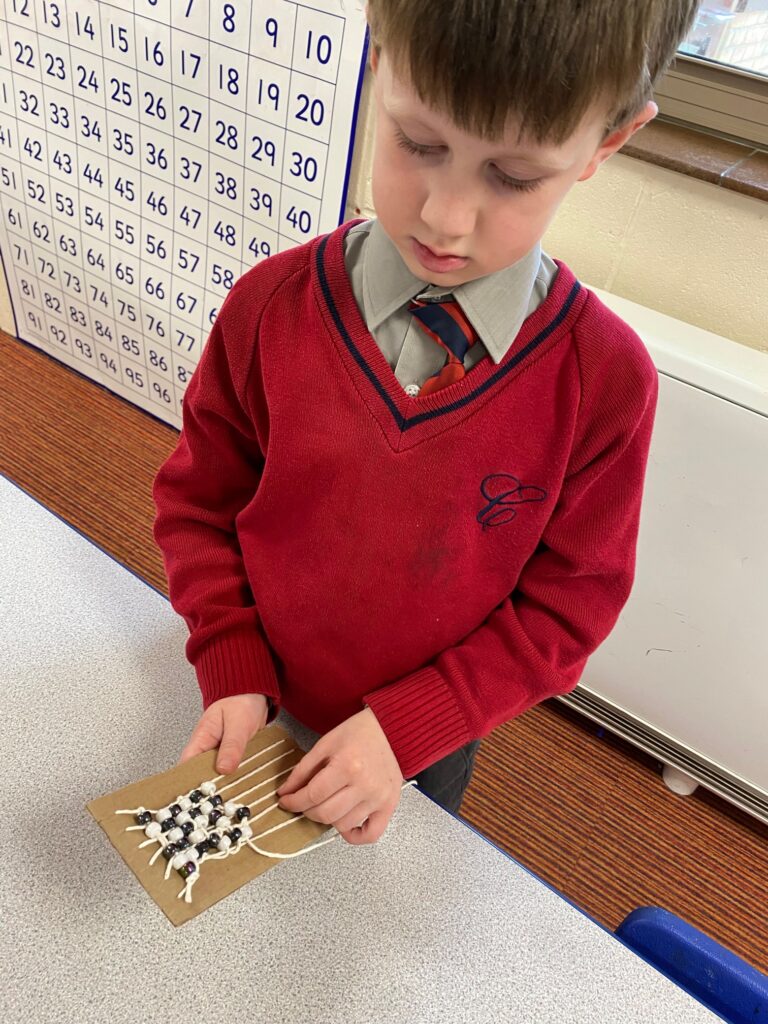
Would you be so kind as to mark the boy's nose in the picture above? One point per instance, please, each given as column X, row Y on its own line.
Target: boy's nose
column 449, row 214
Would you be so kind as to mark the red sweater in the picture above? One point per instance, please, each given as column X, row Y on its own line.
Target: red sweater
column 448, row 560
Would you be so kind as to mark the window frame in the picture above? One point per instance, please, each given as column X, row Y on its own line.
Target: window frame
column 724, row 99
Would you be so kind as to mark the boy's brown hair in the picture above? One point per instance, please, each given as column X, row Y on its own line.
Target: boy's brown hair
column 546, row 62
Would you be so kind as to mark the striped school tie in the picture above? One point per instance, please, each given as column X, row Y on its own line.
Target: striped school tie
column 444, row 322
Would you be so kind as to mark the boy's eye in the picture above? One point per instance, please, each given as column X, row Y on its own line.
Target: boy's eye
column 524, row 185
column 518, row 185
column 413, row 147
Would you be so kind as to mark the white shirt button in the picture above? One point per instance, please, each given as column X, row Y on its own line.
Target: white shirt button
column 412, row 390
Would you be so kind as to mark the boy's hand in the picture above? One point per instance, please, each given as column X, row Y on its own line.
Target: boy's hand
column 350, row 779
column 233, row 721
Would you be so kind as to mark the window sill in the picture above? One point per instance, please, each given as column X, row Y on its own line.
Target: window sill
column 732, row 165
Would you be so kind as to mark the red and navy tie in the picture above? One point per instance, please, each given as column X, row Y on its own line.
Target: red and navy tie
column 445, row 323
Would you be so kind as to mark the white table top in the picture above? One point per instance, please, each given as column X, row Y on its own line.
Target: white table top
column 432, row 923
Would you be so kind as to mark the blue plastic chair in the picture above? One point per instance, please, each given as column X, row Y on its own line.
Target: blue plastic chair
column 712, row 974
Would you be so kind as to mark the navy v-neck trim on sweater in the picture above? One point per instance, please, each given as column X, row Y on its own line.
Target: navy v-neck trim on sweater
column 546, row 326
column 557, row 309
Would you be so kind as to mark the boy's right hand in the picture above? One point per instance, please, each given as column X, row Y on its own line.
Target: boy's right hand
column 228, row 723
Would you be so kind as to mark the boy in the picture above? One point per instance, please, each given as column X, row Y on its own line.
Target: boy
column 404, row 503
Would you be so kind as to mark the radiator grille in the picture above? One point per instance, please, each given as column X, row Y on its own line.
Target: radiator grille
column 707, row 773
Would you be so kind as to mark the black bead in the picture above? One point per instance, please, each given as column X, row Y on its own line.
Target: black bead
column 167, row 825
column 216, row 800
column 235, row 834
column 183, row 844
column 187, row 827
column 187, row 869
column 174, row 809
column 202, row 848
column 144, row 818
column 195, row 812
column 242, row 813
column 195, row 796
column 214, row 839
column 170, row 850
column 213, row 817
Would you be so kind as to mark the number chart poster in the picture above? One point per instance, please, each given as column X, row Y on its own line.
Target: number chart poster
column 152, row 151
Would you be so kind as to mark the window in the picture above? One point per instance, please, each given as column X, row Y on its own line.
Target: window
column 720, row 78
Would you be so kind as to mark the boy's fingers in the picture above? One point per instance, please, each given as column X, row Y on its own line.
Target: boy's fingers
column 233, row 743
column 205, row 737
column 353, row 819
column 322, row 786
column 190, row 750
column 371, row 831
column 302, row 773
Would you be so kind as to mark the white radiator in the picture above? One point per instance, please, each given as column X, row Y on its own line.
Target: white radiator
column 684, row 674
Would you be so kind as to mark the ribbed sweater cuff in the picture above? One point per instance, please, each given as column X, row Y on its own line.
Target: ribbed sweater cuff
column 236, row 663
column 421, row 719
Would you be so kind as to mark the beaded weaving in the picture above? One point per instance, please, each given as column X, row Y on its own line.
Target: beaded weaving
column 202, row 826
column 213, row 835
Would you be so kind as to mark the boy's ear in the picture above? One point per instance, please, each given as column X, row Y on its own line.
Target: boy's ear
column 613, row 142
column 374, row 56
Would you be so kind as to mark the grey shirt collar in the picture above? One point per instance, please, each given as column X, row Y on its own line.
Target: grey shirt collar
column 496, row 304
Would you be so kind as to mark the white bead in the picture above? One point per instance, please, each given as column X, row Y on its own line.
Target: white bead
column 153, row 830
column 224, row 843
column 192, row 854
column 208, row 788
column 197, row 836
column 206, row 806
column 229, row 808
column 184, row 803
column 162, row 814
column 224, row 823
column 175, row 834
column 181, row 818
column 246, row 829
column 180, row 860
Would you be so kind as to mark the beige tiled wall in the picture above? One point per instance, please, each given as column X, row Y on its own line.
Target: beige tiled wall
column 690, row 249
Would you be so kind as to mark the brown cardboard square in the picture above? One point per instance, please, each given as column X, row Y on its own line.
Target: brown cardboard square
column 218, row 878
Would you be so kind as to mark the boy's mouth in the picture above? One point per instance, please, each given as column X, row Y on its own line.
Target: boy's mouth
column 437, row 262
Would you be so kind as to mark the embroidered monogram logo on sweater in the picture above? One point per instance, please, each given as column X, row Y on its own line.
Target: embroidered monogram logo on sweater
column 504, row 492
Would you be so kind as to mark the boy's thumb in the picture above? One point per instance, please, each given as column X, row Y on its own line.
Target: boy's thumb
column 233, row 742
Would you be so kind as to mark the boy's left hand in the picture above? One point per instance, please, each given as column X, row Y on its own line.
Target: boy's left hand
column 350, row 779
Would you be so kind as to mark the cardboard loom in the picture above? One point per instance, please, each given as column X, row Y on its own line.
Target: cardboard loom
column 218, row 878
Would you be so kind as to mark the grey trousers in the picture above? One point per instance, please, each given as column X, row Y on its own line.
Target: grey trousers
column 446, row 780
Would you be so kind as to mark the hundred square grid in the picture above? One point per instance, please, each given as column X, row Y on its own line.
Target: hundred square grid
column 152, row 151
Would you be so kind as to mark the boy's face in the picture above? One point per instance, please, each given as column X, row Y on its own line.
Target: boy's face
column 459, row 207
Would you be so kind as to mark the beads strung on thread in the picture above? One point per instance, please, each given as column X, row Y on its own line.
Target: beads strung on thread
column 199, row 825
column 202, row 825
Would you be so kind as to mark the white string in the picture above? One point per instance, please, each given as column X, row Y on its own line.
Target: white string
column 140, row 810
column 259, row 785
column 247, row 761
column 306, row 849
column 162, row 840
column 255, row 771
column 186, row 892
column 157, row 853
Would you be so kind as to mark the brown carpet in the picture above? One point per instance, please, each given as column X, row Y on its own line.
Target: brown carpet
column 589, row 815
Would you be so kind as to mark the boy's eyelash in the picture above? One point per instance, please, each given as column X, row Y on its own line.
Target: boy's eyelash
column 416, row 150
column 519, row 186
column 412, row 147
